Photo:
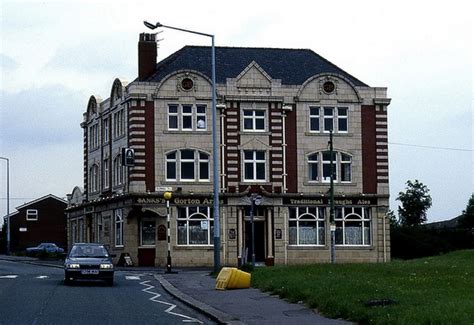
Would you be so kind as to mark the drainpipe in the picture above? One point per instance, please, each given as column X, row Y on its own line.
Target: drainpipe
column 284, row 109
column 222, row 107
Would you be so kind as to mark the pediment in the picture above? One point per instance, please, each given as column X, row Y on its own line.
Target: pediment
column 253, row 76
column 254, row 143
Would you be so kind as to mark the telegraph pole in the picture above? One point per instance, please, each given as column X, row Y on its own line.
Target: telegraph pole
column 331, row 202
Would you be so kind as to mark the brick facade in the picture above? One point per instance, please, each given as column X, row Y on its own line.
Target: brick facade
column 273, row 126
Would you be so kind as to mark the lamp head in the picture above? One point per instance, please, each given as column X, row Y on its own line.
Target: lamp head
column 150, row 25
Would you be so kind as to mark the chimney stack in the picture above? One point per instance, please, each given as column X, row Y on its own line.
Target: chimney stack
column 147, row 54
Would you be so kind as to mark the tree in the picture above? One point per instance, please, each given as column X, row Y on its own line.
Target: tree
column 392, row 219
column 467, row 217
column 416, row 200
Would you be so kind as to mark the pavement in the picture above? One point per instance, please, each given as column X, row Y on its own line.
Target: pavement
column 196, row 288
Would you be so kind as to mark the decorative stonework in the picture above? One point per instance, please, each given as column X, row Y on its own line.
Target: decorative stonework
column 186, row 82
column 328, row 85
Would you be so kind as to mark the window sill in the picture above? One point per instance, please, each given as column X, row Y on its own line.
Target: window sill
column 351, row 184
column 119, row 137
column 181, row 132
column 306, row 247
column 326, row 134
column 355, row 247
column 255, row 183
column 248, row 132
column 194, row 247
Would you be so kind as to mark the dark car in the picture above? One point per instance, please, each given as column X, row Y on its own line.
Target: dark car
column 44, row 248
column 89, row 261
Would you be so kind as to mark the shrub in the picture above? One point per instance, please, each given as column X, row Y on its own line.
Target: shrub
column 415, row 242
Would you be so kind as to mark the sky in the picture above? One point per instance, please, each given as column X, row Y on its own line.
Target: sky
column 55, row 54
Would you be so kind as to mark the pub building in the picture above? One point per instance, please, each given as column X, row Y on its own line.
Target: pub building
column 276, row 108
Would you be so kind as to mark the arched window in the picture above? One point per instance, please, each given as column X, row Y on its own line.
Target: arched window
column 306, row 226
column 353, row 226
column 195, row 226
column 319, row 167
column 187, row 165
column 118, row 171
column 118, row 228
column 94, row 178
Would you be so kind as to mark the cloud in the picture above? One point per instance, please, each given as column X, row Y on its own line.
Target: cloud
column 83, row 58
column 41, row 116
column 7, row 63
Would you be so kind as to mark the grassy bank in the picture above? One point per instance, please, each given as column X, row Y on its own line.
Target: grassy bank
column 433, row 290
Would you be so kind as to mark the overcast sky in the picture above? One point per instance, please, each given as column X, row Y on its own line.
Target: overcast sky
column 55, row 54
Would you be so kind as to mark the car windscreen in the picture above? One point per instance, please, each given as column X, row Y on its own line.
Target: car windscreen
column 88, row 251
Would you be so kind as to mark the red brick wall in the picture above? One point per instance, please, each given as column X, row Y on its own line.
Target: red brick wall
column 291, row 154
column 150, row 146
column 49, row 228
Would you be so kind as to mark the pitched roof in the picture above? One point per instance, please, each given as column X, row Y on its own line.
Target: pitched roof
column 41, row 199
column 292, row 66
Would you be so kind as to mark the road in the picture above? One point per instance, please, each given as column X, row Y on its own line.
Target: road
column 34, row 294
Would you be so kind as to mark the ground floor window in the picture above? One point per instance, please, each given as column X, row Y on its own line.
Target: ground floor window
column 73, row 232
column 306, row 226
column 81, row 230
column 147, row 233
column 118, row 228
column 353, row 226
column 195, row 226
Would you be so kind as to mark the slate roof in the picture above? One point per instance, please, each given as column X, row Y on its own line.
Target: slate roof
column 292, row 66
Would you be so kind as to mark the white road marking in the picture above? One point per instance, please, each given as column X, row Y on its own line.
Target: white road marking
column 132, row 277
column 42, row 277
column 171, row 306
column 8, row 276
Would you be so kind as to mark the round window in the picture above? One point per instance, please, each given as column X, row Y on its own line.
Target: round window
column 187, row 83
column 328, row 87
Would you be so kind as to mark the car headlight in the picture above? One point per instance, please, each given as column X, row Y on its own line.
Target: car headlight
column 106, row 266
column 73, row 266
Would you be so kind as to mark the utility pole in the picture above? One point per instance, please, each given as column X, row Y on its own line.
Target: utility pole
column 331, row 201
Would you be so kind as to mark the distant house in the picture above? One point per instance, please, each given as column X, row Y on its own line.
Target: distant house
column 445, row 224
column 39, row 221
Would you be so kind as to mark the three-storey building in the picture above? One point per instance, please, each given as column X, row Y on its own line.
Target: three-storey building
column 276, row 108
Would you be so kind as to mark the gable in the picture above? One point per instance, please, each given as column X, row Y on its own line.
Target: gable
column 253, row 77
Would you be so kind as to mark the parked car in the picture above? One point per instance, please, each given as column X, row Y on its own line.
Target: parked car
column 89, row 261
column 44, row 248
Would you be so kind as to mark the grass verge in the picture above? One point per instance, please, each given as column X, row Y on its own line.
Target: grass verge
column 433, row 290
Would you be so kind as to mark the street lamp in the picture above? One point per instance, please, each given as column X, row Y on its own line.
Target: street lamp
column 217, row 237
column 332, row 223
column 167, row 196
column 8, row 204
column 255, row 200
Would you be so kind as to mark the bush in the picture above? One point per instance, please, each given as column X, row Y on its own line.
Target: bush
column 415, row 242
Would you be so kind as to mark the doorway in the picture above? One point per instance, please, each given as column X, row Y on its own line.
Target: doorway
column 259, row 240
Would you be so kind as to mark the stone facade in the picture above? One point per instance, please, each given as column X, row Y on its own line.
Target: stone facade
column 273, row 132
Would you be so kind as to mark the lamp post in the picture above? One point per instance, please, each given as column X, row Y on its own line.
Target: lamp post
column 8, row 204
column 167, row 196
column 331, row 201
column 217, row 237
column 255, row 200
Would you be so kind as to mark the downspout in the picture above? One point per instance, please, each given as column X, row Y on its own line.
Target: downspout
column 223, row 172
column 284, row 109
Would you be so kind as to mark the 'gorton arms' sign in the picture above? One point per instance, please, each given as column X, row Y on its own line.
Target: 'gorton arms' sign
column 177, row 201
